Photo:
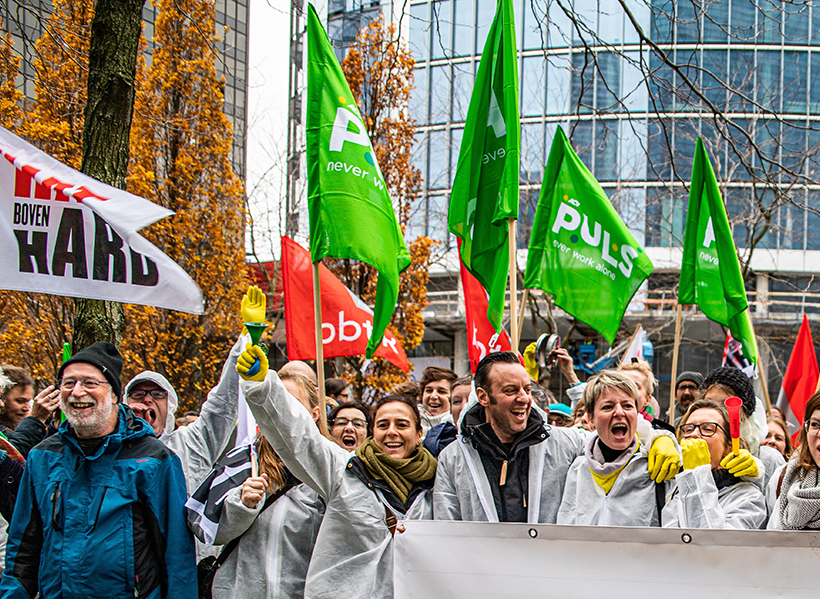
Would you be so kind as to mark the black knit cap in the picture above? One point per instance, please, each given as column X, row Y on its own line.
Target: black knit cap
column 103, row 355
column 735, row 380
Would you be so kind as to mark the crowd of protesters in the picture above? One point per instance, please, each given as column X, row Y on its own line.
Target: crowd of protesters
column 326, row 486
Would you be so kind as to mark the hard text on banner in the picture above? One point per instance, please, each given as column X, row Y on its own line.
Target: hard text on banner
column 801, row 378
column 580, row 250
column 482, row 339
column 485, row 187
column 710, row 273
column 347, row 322
column 64, row 233
column 351, row 214
column 584, row 562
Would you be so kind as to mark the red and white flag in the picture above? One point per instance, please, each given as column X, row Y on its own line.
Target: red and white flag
column 65, row 233
column 347, row 321
column 733, row 357
column 635, row 349
column 800, row 379
column 482, row 338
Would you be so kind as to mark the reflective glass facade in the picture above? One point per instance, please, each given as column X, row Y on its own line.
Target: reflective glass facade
column 631, row 117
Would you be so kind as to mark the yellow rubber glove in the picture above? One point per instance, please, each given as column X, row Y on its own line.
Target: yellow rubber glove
column 664, row 461
column 252, row 364
column 742, row 464
column 530, row 363
column 695, row 453
column 253, row 307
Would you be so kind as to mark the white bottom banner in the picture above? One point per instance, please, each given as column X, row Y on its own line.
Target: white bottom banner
column 473, row 560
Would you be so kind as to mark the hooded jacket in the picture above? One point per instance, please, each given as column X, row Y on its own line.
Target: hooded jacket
column 698, row 501
column 353, row 555
column 630, row 502
column 465, row 490
column 200, row 444
column 108, row 525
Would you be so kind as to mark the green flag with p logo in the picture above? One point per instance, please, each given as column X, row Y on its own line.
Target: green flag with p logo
column 710, row 275
column 351, row 215
column 581, row 251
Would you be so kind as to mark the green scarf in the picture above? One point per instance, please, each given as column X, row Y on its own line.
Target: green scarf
column 401, row 475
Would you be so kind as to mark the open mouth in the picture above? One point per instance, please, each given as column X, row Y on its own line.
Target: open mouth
column 519, row 413
column 619, row 431
column 349, row 441
column 81, row 405
column 394, row 445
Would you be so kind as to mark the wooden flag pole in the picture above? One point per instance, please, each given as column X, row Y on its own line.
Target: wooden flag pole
column 514, row 332
column 521, row 313
column 760, row 369
column 674, row 366
column 320, row 354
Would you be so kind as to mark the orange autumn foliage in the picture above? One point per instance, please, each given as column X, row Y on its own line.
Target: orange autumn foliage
column 180, row 148
column 180, row 152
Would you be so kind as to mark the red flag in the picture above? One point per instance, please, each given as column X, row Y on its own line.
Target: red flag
column 347, row 321
column 481, row 336
column 800, row 380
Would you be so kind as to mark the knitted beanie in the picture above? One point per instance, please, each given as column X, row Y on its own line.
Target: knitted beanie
column 694, row 377
column 735, row 380
column 103, row 355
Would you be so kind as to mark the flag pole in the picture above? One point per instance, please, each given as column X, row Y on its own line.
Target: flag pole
column 317, row 315
column 674, row 366
column 524, row 297
column 760, row 368
column 514, row 332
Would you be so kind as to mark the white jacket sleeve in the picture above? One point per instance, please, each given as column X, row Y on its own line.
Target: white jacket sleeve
column 200, row 444
column 286, row 424
column 698, row 504
column 576, row 394
column 236, row 517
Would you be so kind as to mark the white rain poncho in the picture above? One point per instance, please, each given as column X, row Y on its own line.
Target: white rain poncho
column 462, row 491
column 696, row 502
column 272, row 558
column 353, row 555
column 630, row 502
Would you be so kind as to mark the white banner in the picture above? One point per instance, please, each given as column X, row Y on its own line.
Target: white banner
column 469, row 560
column 64, row 233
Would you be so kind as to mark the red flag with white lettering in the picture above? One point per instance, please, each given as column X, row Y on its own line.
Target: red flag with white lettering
column 346, row 320
column 481, row 336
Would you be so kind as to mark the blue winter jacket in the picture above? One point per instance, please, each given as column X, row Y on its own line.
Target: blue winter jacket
column 109, row 525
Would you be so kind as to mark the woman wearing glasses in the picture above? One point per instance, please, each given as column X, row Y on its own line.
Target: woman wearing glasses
column 793, row 495
column 715, row 489
column 350, row 424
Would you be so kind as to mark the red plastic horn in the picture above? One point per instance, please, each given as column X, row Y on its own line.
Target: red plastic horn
column 733, row 405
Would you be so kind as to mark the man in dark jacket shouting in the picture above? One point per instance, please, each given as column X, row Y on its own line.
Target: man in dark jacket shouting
column 99, row 512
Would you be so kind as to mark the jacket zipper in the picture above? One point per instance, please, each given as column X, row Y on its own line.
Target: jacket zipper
column 99, row 508
column 55, row 499
column 503, row 479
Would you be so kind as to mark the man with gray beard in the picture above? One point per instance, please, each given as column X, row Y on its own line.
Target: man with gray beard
column 103, row 486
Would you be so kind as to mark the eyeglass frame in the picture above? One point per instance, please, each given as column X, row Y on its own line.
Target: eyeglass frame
column 700, row 430
column 82, row 382
column 337, row 422
column 151, row 393
column 807, row 426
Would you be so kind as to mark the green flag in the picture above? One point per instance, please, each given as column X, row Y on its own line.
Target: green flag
column 351, row 215
column 580, row 250
column 710, row 272
column 485, row 189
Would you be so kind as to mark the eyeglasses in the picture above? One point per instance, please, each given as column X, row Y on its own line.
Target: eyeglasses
column 707, row 429
column 87, row 384
column 139, row 394
column 812, row 428
column 687, row 388
column 357, row 423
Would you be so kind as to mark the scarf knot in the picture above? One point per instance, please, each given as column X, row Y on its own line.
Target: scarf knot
column 399, row 474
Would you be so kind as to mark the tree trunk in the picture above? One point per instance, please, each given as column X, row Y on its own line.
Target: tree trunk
column 112, row 67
